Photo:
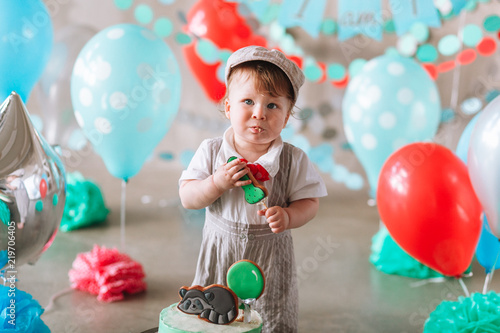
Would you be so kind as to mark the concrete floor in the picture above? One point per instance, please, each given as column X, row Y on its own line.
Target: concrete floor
column 339, row 292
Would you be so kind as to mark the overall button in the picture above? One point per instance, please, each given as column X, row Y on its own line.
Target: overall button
column 251, row 236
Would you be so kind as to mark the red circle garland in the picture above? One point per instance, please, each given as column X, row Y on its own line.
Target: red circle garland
column 446, row 66
column 322, row 65
column 486, row 47
column 431, row 70
column 342, row 83
column 466, row 57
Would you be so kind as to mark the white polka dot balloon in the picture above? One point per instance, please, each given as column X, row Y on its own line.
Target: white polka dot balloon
column 125, row 89
column 390, row 103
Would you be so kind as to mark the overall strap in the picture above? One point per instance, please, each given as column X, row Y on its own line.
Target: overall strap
column 214, row 145
column 278, row 195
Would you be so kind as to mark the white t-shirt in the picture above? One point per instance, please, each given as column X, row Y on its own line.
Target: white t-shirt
column 304, row 181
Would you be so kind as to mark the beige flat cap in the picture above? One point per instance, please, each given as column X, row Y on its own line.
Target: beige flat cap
column 253, row 53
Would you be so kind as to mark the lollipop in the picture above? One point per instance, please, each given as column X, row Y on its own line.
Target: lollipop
column 254, row 192
column 246, row 280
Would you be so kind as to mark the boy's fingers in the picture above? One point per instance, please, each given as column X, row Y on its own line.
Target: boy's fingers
column 270, row 212
column 242, row 183
column 241, row 173
column 276, row 230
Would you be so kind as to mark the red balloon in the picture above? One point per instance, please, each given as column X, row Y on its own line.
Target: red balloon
column 220, row 22
column 426, row 200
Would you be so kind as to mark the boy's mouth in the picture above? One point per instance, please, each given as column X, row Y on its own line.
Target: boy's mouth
column 256, row 129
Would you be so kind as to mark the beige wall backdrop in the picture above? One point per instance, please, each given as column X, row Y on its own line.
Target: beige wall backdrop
column 198, row 117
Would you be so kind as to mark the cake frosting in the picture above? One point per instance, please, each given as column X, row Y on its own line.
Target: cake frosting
column 172, row 320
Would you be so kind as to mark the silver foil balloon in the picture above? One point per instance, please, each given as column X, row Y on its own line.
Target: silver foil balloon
column 484, row 162
column 32, row 187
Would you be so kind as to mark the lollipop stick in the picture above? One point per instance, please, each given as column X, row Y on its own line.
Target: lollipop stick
column 263, row 203
column 247, row 314
column 122, row 214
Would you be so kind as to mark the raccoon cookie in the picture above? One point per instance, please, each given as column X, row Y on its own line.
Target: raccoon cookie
column 254, row 192
column 216, row 303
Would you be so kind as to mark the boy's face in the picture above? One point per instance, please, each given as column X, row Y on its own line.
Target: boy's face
column 256, row 117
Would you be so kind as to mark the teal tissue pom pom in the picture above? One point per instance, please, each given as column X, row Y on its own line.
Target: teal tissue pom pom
column 477, row 313
column 389, row 258
column 85, row 204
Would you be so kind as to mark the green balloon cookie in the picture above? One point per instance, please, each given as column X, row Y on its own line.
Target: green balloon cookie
column 245, row 279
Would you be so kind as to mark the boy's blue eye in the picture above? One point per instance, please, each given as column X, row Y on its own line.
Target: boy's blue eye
column 272, row 106
column 248, row 101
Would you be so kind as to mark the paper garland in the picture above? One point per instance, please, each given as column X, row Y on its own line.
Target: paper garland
column 411, row 44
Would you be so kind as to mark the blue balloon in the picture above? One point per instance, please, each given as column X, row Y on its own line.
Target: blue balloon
column 488, row 249
column 125, row 89
column 488, row 246
column 26, row 37
column 392, row 102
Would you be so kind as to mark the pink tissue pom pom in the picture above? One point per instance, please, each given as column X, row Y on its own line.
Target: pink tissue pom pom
column 106, row 273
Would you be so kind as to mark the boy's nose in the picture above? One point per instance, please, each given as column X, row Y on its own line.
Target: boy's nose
column 259, row 113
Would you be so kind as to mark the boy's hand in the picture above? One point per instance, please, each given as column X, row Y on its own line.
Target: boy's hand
column 228, row 175
column 277, row 217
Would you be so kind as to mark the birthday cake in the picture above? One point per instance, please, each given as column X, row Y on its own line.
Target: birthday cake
column 173, row 320
column 216, row 308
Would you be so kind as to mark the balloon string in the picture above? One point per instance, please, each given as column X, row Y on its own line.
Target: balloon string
column 464, row 287
column 54, row 297
column 426, row 281
column 456, row 72
column 122, row 215
column 487, row 281
column 489, row 276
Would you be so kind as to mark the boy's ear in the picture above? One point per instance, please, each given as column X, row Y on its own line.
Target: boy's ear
column 227, row 107
column 286, row 119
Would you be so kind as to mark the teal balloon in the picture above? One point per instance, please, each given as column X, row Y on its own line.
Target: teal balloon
column 390, row 103
column 125, row 89
column 26, row 38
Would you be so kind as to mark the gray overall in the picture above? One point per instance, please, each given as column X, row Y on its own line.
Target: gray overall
column 225, row 242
